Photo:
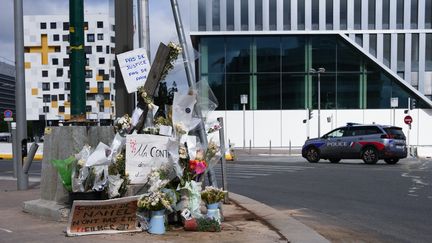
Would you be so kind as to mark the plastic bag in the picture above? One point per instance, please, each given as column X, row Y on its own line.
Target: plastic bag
column 64, row 168
column 80, row 174
column 100, row 177
column 114, row 184
column 99, row 156
column 182, row 116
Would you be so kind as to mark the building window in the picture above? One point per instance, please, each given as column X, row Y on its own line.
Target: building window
column 371, row 14
column 273, row 14
column 45, row 86
column 112, row 39
column 66, row 38
column 99, row 48
column 401, row 52
column 55, row 61
column 315, row 14
column 87, row 62
column 258, row 15
column 45, row 73
column 43, row 26
column 415, row 53
column 400, row 14
column 202, row 15
column 56, row 37
column 387, row 49
column 101, row 60
column 61, row 109
column 101, row 72
column 46, row 98
column 216, row 14
column 53, row 97
column 373, row 44
column 100, row 24
column 107, row 49
column 46, row 109
column 53, row 25
column 61, row 96
column 89, row 74
column 66, row 62
column 301, row 15
column 88, row 50
column 244, row 14
column 85, row 25
column 329, row 14
column 386, row 14
column 56, row 85
column 67, row 86
column 59, row 72
column 87, row 84
column 343, row 14
column 414, row 14
column 357, row 14
column 287, row 15
column 90, row 37
column 100, row 36
column 100, row 87
column 230, row 14
column 88, row 108
column 428, row 14
column 428, row 52
column 66, row 26
column 112, row 73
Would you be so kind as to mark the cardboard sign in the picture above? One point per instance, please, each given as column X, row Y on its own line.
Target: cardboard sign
column 103, row 217
column 135, row 67
column 144, row 152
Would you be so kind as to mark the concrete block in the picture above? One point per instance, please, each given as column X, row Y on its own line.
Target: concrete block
column 47, row 209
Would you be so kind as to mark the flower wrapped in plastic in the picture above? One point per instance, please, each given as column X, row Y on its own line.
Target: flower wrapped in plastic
column 155, row 201
column 212, row 195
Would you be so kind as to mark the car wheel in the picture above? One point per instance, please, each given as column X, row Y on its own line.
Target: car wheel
column 391, row 161
column 334, row 160
column 370, row 155
column 312, row 155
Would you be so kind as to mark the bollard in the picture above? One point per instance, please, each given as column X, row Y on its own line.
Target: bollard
column 223, row 160
column 270, row 151
column 29, row 159
column 250, row 146
column 290, row 147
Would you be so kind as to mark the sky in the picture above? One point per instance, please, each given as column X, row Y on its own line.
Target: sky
column 162, row 27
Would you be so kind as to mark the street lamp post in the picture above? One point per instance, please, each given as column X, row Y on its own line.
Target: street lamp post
column 320, row 70
column 244, row 101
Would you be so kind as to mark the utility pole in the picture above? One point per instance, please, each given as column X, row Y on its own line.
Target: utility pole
column 77, row 59
column 190, row 77
column 144, row 26
column 20, row 140
column 320, row 70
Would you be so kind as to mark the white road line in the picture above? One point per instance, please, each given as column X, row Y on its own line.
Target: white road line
column 6, row 230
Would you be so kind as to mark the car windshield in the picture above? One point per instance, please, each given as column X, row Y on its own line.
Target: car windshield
column 395, row 132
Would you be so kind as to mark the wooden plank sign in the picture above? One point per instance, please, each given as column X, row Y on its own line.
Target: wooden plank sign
column 103, row 217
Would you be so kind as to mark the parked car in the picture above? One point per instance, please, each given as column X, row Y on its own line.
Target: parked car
column 355, row 141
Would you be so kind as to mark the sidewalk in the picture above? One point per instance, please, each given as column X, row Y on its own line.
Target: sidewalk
column 246, row 220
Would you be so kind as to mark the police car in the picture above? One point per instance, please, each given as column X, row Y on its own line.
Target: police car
column 355, row 141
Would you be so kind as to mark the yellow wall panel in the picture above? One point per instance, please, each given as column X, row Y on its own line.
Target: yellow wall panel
column 34, row 91
column 27, row 65
column 93, row 91
column 54, row 104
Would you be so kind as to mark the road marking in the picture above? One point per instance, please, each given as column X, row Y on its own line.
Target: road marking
column 10, row 178
column 6, row 230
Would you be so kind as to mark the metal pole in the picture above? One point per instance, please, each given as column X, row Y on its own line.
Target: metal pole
column 20, row 103
column 319, row 104
column 77, row 58
column 144, row 26
column 190, row 78
column 222, row 147
column 244, row 126
column 15, row 147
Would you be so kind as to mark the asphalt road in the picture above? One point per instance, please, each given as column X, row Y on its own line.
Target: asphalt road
column 345, row 202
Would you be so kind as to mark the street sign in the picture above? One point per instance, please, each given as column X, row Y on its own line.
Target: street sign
column 8, row 119
column 7, row 114
column 408, row 120
column 394, row 102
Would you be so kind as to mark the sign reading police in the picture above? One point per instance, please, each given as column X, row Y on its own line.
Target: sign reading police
column 135, row 67
column 144, row 152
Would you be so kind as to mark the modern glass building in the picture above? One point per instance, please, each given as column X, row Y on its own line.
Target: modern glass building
column 7, row 87
column 371, row 50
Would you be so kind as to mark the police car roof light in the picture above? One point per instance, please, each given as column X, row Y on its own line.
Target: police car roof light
column 352, row 123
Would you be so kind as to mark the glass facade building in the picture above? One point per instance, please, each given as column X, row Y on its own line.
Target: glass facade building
column 372, row 50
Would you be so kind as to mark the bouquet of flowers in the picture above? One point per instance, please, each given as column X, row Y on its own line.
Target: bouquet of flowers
column 155, row 201
column 212, row 195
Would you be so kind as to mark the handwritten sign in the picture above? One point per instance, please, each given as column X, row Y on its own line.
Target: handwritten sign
column 143, row 152
column 103, row 217
column 135, row 67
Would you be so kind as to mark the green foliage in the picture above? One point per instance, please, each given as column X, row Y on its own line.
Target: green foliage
column 208, row 225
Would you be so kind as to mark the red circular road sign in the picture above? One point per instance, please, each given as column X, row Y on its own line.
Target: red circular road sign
column 408, row 120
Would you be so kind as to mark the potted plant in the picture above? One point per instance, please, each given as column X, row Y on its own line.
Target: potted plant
column 156, row 203
column 212, row 196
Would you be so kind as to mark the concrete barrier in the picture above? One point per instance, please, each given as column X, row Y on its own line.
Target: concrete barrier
column 6, row 151
column 424, row 152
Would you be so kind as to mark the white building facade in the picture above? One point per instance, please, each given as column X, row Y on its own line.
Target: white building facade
column 47, row 75
column 372, row 51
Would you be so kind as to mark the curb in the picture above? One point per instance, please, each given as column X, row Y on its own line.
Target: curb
column 287, row 227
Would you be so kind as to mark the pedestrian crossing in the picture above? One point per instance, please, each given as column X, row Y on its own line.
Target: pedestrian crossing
column 248, row 171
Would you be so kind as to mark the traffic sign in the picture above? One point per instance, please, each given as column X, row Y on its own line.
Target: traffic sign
column 408, row 120
column 7, row 113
